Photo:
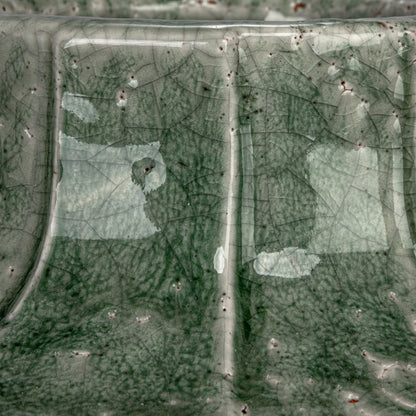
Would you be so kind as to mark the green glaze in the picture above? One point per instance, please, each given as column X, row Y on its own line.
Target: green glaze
column 333, row 175
column 25, row 146
column 207, row 218
column 270, row 10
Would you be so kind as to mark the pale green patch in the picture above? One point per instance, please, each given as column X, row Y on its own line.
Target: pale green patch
column 219, row 260
column 349, row 212
column 97, row 198
column 80, row 106
column 326, row 44
column 291, row 262
column 399, row 89
column 354, row 64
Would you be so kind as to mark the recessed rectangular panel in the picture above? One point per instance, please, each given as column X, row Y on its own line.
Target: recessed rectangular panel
column 123, row 319
column 328, row 270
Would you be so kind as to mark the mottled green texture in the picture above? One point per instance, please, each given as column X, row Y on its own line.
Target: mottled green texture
column 323, row 181
column 148, row 137
column 25, row 114
column 274, row 10
column 166, row 280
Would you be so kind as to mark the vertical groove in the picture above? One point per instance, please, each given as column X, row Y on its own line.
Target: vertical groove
column 227, row 308
column 52, row 164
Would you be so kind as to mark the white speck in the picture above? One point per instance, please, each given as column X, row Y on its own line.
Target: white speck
column 122, row 102
column 133, row 83
column 399, row 89
column 409, row 367
column 392, row 296
column 291, row 262
column 80, row 353
column 332, row 70
column 219, row 260
column 28, row 133
column 397, row 126
column 353, row 398
column 363, row 109
column 74, row 65
column 272, row 344
column 80, row 106
column 112, row 315
column 142, row 319
column 412, row 323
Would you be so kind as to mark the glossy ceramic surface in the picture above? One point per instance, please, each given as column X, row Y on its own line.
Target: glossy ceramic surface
column 274, row 10
column 204, row 219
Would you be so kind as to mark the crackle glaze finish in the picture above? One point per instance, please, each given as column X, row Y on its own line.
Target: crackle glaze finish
column 272, row 10
column 207, row 219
